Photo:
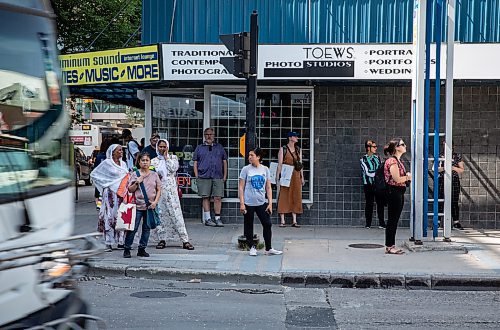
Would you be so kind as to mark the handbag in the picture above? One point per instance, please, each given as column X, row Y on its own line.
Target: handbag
column 127, row 210
column 153, row 217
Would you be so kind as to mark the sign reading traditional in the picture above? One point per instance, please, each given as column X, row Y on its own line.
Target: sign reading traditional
column 191, row 62
column 111, row 66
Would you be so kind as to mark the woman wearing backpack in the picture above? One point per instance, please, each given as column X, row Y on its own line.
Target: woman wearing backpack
column 396, row 178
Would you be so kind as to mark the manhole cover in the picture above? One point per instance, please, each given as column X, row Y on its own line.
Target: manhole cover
column 366, row 246
column 157, row 294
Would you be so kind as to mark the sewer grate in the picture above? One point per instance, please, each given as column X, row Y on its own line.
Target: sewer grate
column 158, row 294
column 366, row 246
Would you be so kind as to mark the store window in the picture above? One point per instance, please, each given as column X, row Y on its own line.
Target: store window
column 278, row 112
column 179, row 119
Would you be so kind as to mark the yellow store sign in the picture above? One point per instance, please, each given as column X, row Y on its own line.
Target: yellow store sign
column 111, row 66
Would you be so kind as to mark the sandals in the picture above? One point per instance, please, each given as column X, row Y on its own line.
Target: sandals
column 295, row 225
column 393, row 250
column 161, row 245
column 187, row 246
column 282, row 225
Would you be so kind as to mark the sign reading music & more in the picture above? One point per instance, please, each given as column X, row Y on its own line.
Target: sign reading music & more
column 111, row 66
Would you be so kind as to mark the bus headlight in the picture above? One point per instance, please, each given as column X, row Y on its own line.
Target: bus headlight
column 55, row 267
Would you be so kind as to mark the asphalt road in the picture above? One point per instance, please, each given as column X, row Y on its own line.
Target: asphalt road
column 128, row 303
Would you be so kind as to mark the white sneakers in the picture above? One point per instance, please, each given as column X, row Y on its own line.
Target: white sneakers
column 253, row 252
column 274, row 252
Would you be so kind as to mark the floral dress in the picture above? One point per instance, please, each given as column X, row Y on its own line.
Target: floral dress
column 172, row 221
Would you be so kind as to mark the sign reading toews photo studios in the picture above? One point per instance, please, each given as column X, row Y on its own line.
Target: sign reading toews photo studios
column 328, row 61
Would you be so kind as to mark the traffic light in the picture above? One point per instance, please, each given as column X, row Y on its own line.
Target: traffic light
column 239, row 44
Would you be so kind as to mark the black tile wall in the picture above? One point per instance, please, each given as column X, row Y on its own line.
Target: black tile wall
column 345, row 116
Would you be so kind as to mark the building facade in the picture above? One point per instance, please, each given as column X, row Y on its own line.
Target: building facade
column 335, row 107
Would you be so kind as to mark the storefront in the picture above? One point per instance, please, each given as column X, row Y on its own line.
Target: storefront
column 335, row 96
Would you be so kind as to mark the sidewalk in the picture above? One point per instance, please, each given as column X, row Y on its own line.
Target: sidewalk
column 319, row 256
column 312, row 256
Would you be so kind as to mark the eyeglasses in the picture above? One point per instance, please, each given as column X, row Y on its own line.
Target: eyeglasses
column 209, row 134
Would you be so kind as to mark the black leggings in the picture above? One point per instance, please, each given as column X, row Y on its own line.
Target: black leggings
column 455, row 197
column 370, row 197
column 395, row 202
column 265, row 220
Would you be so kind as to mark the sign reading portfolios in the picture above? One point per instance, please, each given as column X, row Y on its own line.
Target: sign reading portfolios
column 111, row 66
column 328, row 61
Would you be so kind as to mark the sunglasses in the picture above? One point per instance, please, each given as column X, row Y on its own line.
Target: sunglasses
column 402, row 145
column 373, row 146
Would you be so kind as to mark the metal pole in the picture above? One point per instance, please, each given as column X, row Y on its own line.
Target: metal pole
column 438, row 16
column 419, row 32
column 425, row 181
column 252, row 86
column 449, row 119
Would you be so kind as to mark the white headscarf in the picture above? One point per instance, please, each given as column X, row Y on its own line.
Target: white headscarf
column 109, row 174
column 160, row 156
column 160, row 163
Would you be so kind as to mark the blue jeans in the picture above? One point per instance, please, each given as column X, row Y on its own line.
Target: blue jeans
column 143, row 242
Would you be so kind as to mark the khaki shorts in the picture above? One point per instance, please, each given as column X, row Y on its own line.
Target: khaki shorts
column 210, row 187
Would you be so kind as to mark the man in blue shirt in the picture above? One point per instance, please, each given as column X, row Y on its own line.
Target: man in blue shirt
column 210, row 170
column 151, row 149
column 369, row 164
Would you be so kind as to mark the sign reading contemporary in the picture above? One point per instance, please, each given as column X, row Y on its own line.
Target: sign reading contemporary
column 191, row 62
column 111, row 66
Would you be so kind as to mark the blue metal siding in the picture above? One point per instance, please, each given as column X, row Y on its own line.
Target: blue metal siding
column 287, row 21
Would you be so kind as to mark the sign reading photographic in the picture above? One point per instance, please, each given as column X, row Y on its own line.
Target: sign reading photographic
column 192, row 62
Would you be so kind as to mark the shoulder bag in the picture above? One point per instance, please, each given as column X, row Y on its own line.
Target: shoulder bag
column 153, row 216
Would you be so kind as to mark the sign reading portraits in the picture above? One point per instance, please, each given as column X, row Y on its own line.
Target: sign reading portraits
column 328, row 62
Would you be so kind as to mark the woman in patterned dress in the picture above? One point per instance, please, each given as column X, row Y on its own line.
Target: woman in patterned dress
column 107, row 178
column 172, row 220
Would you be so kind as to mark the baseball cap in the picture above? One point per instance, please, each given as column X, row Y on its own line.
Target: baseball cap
column 290, row 134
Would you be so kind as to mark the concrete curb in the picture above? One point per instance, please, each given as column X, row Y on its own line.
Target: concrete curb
column 312, row 280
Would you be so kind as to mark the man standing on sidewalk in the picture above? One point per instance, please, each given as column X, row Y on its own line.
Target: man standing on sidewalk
column 210, row 170
column 370, row 162
column 151, row 149
column 132, row 148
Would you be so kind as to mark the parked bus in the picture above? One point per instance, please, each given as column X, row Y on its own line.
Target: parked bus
column 39, row 259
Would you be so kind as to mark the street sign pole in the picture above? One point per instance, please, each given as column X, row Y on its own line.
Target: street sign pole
column 251, row 102
column 417, row 120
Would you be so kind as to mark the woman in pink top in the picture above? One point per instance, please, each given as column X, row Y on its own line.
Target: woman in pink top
column 396, row 178
column 152, row 187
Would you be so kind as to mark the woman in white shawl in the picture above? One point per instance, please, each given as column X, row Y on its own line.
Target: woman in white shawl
column 172, row 220
column 108, row 178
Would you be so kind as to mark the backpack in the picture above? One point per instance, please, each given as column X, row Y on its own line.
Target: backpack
column 379, row 179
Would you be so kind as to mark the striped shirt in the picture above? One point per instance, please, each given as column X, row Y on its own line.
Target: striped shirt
column 369, row 165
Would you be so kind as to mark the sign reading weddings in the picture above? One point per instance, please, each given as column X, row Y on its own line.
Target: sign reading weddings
column 328, row 61
column 111, row 66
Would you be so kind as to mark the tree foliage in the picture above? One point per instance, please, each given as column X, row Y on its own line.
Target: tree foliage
column 79, row 22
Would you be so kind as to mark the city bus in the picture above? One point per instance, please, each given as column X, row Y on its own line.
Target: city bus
column 39, row 257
